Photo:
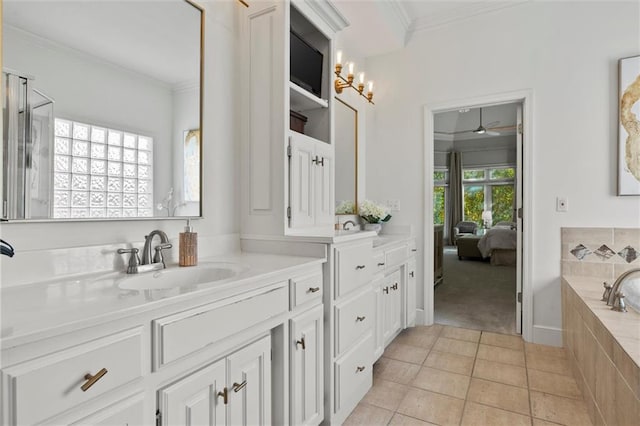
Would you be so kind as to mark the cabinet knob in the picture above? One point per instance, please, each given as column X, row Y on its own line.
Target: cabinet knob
column 414, row 250
column 360, row 266
column 237, row 387
column 394, row 286
column 386, row 290
column 313, row 289
column 301, row 342
column 360, row 369
column 224, row 393
column 362, row 318
column 91, row 380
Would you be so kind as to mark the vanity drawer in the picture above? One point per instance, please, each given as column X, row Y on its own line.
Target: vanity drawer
column 49, row 385
column 180, row 334
column 395, row 256
column 353, row 375
column 305, row 289
column 353, row 267
column 378, row 261
column 354, row 318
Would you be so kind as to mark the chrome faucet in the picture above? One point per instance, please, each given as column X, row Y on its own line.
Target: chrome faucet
column 148, row 263
column 612, row 293
column 344, row 225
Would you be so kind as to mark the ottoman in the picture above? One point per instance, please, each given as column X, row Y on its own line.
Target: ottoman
column 468, row 246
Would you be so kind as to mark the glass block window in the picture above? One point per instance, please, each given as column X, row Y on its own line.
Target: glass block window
column 101, row 172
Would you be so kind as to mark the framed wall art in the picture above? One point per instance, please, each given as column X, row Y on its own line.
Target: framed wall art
column 629, row 127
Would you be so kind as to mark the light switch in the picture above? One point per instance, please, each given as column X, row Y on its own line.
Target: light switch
column 562, row 204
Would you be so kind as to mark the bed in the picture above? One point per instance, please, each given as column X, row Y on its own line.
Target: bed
column 499, row 243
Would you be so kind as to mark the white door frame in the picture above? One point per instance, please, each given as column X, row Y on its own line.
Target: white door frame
column 526, row 186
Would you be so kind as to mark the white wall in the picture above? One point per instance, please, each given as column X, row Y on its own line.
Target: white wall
column 567, row 54
column 221, row 159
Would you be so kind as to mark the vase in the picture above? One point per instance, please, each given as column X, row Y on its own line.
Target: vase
column 377, row 227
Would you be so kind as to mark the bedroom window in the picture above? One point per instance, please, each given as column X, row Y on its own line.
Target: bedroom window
column 489, row 189
column 100, row 172
column 440, row 186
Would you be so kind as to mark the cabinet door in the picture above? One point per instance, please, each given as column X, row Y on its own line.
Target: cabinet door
column 249, row 382
column 306, row 391
column 411, row 297
column 195, row 400
column 392, row 301
column 302, row 169
column 324, row 186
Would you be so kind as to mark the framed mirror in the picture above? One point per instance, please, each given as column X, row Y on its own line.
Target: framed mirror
column 101, row 109
column 346, row 151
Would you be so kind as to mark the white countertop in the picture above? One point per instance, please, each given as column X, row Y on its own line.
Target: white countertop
column 624, row 327
column 80, row 301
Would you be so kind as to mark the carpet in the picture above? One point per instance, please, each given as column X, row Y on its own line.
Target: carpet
column 474, row 294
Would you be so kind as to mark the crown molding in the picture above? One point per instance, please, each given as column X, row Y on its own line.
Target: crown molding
column 464, row 11
column 397, row 16
column 329, row 13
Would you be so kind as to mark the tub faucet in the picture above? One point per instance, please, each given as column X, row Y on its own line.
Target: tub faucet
column 344, row 225
column 146, row 251
column 612, row 293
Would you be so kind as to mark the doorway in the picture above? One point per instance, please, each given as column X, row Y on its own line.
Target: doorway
column 492, row 174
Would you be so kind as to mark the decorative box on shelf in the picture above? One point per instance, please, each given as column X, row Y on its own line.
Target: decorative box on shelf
column 297, row 121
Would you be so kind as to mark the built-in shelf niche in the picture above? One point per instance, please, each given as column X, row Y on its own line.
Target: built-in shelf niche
column 316, row 109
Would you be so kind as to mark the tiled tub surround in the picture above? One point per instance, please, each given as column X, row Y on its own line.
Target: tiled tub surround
column 603, row 346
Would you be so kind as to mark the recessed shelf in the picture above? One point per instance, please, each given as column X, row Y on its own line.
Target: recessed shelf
column 303, row 100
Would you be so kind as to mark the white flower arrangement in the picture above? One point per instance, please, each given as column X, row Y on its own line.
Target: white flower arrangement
column 346, row 207
column 372, row 212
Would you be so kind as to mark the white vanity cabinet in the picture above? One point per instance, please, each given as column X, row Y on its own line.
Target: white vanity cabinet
column 282, row 194
column 234, row 390
column 311, row 173
column 392, row 311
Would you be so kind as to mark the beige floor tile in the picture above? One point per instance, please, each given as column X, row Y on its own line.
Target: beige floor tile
column 502, row 340
column 548, row 363
column 395, row 371
column 386, row 394
column 506, row 397
column 450, row 362
column 402, row 420
column 500, row 372
column 451, row 384
column 459, row 347
column 555, row 384
column 482, row 415
column 460, row 333
column 365, row 414
column 558, row 409
column 540, row 422
column 545, row 350
column 432, row 407
column 406, row 353
column 498, row 354
column 422, row 339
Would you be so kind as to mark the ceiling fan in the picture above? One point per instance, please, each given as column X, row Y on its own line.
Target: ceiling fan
column 489, row 130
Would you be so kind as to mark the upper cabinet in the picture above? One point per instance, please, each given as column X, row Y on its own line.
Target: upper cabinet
column 287, row 64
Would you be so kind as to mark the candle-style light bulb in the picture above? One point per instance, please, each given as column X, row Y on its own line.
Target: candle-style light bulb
column 339, row 57
column 361, row 77
column 370, row 86
column 351, row 68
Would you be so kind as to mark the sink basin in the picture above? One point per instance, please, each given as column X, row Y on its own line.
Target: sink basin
column 181, row 277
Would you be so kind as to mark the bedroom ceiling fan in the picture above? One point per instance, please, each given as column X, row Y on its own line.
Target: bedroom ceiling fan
column 489, row 130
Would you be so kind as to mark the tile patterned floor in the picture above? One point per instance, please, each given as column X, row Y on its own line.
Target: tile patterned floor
column 442, row 375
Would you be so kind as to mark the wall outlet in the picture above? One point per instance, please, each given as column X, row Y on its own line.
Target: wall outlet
column 562, row 204
column 393, row 205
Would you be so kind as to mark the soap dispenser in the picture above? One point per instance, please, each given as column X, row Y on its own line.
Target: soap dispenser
column 188, row 246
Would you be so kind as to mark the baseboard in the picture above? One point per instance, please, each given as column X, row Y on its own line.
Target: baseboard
column 551, row 336
column 421, row 317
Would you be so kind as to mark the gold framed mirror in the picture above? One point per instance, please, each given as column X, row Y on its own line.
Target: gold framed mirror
column 346, row 152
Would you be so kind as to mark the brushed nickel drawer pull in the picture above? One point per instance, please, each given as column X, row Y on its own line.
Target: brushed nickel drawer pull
column 313, row 289
column 91, row 380
column 237, row 387
column 395, row 286
column 386, row 290
column 380, row 263
column 414, row 249
column 359, row 369
column 362, row 318
column 360, row 266
column 301, row 342
column 412, row 274
column 225, row 395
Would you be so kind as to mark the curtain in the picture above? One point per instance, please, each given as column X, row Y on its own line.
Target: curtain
column 454, row 209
